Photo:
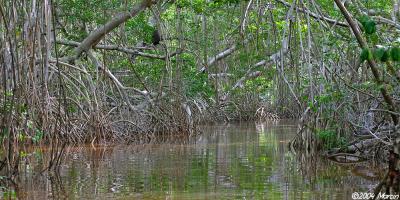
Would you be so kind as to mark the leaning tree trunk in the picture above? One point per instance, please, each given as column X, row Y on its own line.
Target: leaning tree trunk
column 392, row 180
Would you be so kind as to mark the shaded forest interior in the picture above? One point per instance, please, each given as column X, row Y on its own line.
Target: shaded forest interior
column 93, row 71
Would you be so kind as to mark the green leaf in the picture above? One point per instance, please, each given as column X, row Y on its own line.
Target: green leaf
column 365, row 55
column 370, row 27
column 386, row 56
column 38, row 136
column 373, row 38
column 378, row 53
column 395, row 53
column 364, row 19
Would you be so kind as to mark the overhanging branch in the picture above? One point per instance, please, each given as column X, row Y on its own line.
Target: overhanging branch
column 130, row 51
column 95, row 36
column 315, row 16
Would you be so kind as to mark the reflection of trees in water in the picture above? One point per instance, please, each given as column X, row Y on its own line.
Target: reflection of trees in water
column 9, row 188
column 34, row 186
column 320, row 174
column 57, row 187
column 226, row 161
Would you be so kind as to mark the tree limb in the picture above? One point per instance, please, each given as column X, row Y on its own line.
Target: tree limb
column 95, row 36
column 276, row 56
column 316, row 16
column 126, row 50
column 221, row 55
column 374, row 68
column 254, row 74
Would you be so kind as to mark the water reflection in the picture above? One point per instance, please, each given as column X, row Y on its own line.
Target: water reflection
column 237, row 161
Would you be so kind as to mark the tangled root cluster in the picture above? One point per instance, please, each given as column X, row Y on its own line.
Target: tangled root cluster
column 263, row 114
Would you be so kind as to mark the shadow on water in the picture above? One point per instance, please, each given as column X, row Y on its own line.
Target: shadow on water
column 235, row 161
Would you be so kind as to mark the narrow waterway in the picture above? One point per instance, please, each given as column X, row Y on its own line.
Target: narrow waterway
column 235, row 161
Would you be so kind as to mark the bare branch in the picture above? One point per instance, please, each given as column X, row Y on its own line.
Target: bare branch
column 373, row 66
column 95, row 36
column 250, row 74
column 221, row 55
column 316, row 16
column 126, row 50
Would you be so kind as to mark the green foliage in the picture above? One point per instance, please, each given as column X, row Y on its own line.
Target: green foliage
column 9, row 194
column 379, row 52
column 223, row 18
column 330, row 139
column 260, row 84
column 365, row 55
column 4, row 134
column 182, row 3
column 21, row 136
column 395, row 53
column 195, row 83
column 72, row 108
column 23, row 154
column 364, row 19
column 220, row 3
column 325, row 100
column 199, row 6
column 368, row 24
column 370, row 27
column 140, row 28
column 198, row 85
column 38, row 136
column 385, row 57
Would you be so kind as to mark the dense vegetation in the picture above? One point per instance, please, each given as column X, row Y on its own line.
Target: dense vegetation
column 75, row 71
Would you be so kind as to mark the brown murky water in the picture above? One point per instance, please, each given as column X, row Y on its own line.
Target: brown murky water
column 236, row 161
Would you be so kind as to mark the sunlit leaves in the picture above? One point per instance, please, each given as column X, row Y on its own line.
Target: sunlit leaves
column 182, row 3
column 282, row 24
column 198, row 6
column 260, row 84
column 9, row 194
column 219, row 3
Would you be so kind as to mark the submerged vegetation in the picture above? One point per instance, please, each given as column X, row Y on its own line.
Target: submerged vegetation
column 94, row 71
